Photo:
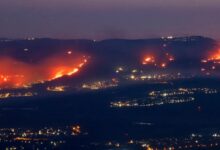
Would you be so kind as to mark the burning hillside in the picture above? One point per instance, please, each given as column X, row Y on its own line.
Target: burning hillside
column 15, row 73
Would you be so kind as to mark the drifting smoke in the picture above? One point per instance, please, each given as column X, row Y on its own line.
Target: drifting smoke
column 14, row 73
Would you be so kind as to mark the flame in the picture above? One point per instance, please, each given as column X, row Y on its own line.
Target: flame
column 148, row 60
column 16, row 74
column 160, row 61
column 65, row 71
column 215, row 55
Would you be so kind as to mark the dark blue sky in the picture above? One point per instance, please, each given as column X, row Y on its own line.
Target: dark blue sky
column 100, row 19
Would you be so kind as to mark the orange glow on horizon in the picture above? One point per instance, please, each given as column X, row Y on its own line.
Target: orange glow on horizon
column 215, row 55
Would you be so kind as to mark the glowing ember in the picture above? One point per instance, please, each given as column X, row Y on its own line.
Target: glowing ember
column 163, row 65
column 204, row 61
column 14, row 74
column 160, row 61
column 69, row 52
column 171, row 59
column 148, row 60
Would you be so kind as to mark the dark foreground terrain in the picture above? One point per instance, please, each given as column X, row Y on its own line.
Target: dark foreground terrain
column 180, row 114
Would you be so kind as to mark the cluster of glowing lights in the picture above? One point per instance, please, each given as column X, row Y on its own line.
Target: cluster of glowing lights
column 169, row 57
column 104, row 84
column 119, row 70
column 19, row 94
column 76, row 130
column 56, row 89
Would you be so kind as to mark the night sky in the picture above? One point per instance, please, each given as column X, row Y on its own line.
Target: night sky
column 100, row 19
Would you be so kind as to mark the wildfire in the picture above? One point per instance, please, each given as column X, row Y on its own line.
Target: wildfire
column 211, row 62
column 214, row 56
column 15, row 74
column 64, row 71
column 159, row 61
column 148, row 60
